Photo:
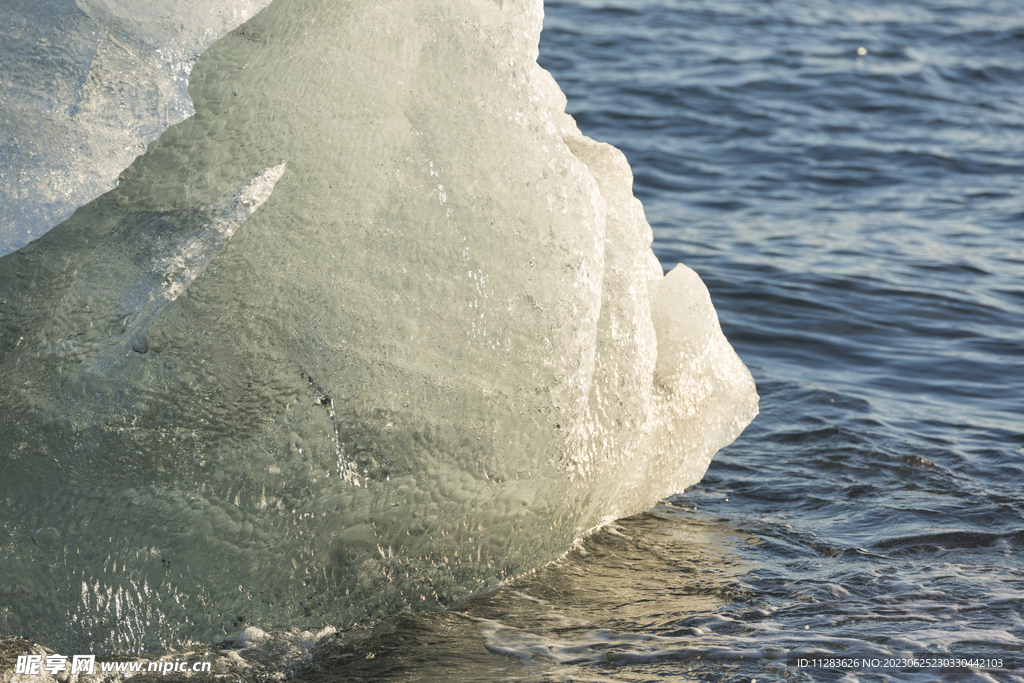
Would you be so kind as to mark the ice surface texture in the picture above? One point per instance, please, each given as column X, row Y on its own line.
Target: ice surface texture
column 440, row 351
column 85, row 85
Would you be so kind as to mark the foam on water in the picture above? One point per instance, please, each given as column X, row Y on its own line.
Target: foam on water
column 439, row 351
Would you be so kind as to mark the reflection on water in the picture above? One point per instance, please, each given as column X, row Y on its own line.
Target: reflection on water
column 633, row 597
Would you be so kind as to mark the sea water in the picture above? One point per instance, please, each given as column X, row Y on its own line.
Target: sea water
column 845, row 180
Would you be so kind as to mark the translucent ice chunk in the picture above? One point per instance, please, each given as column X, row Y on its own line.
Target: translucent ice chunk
column 440, row 352
column 85, row 85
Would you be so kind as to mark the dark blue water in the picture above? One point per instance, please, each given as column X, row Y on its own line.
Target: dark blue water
column 858, row 218
column 846, row 178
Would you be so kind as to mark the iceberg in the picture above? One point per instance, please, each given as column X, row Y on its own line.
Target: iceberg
column 436, row 349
